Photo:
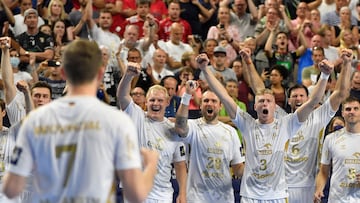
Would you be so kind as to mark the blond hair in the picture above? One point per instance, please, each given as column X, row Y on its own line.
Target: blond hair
column 155, row 88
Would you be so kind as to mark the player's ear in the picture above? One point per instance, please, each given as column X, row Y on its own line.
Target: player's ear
column 62, row 73
column 100, row 74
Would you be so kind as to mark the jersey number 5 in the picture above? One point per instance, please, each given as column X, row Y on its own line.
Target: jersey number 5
column 67, row 149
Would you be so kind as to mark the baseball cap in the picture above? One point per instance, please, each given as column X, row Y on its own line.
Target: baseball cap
column 30, row 11
column 219, row 49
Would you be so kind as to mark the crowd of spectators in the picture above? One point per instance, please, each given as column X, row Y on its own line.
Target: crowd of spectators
column 166, row 36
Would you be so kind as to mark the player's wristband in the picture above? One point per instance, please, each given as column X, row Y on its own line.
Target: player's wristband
column 324, row 76
column 185, row 99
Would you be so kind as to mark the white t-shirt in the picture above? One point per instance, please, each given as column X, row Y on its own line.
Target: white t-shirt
column 75, row 145
column 214, row 148
column 341, row 149
column 158, row 136
column 264, row 174
column 325, row 8
column 303, row 149
column 20, row 26
column 108, row 39
column 176, row 50
column 16, row 108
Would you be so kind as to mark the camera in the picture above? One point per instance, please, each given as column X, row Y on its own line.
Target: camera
column 197, row 38
column 200, row 60
column 222, row 26
column 54, row 63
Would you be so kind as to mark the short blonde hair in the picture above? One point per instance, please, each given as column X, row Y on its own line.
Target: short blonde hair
column 157, row 88
column 263, row 92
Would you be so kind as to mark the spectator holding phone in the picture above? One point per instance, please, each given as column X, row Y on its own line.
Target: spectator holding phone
column 53, row 77
column 187, row 74
column 226, row 34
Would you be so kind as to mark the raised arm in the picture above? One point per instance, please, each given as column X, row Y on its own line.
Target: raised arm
column 230, row 106
column 250, row 74
column 342, row 88
column 253, row 11
column 6, row 71
column 303, row 43
column 326, row 69
column 182, row 114
column 269, row 42
column 123, row 90
column 8, row 13
column 148, row 40
column 25, row 89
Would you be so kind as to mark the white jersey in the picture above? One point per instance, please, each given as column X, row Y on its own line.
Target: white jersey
column 341, row 149
column 5, row 150
column 16, row 108
column 303, row 148
column 158, row 136
column 75, row 144
column 110, row 40
column 264, row 174
column 214, row 148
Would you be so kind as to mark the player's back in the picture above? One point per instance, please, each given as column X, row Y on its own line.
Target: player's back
column 76, row 144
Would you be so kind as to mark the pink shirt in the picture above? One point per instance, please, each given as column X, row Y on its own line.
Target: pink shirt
column 233, row 32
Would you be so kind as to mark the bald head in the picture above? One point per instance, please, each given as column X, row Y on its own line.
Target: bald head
column 176, row 33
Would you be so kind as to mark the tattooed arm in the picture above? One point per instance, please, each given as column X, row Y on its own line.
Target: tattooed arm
column 181, row 126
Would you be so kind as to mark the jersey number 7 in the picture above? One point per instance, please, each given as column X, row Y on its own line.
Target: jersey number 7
column 67, row 149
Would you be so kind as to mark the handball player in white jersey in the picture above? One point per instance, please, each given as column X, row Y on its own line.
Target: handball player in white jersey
column 301, row 161
column 215, row 147
column 76, row 145
column 341, row 153
column 156, row 132
column 265, row 138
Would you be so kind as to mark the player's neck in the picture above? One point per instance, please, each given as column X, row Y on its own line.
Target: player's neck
column 353, row 128
column 82, row 90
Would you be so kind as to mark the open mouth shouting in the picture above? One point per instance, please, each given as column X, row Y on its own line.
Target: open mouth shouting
column 155, row 108
column 265, row 111
column 297, row 105
column 209, row 111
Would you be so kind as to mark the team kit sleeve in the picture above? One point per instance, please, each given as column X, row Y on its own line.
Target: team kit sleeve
column 237, row 149
column 179, row 153
column 127, row 153
column 293, row 124
column 243, row 121
column 134, row 111
column 326, row 152
column 22, row 159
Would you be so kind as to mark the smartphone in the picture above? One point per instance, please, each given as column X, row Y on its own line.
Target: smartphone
column 54, row 63
column 267, row 70
column 222, row 26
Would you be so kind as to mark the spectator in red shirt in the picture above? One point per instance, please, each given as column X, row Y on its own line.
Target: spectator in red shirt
column 158, row 9
column 174, row 16
column 142, row 10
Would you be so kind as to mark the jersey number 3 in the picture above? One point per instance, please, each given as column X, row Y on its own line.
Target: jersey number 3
column 71, row 149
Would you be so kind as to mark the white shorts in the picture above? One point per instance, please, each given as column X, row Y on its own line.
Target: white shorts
column 301, row 194
column 249, row 200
